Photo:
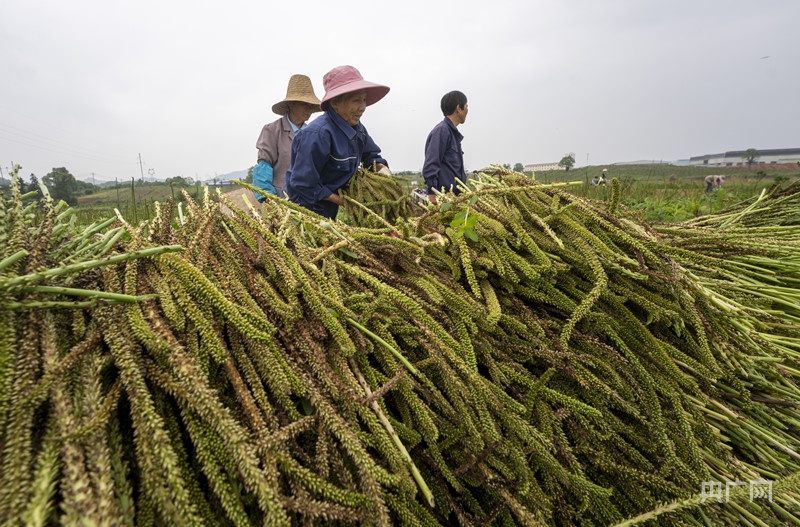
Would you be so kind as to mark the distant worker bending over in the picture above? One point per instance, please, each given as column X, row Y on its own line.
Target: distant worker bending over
column 709, row 183
column 444, row 158
column 601, row 179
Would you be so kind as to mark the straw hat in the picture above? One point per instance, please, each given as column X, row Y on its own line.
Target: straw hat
column 347, row 79
column 299, row 89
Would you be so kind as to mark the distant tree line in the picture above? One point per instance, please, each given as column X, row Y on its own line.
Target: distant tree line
column 62, row 185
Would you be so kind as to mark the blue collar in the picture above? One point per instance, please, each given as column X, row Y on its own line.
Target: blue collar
column 344, row 126
column 454, row 129
column 295, row 128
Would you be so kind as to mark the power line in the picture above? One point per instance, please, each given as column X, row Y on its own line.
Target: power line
column 54, row 145
column 61, row 152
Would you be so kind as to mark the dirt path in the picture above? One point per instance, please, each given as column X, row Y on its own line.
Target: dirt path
column 236, row 196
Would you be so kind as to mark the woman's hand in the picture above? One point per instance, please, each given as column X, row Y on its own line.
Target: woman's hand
column 380, row 168
column 335, row 198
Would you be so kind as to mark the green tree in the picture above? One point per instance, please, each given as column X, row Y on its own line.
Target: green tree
column 178, row 181
column 82, row 188
column 23, row 187
column 62, row 185
column 519, row 167
column 507, row 166
column 567, row 162
column 249, row 178
column 34, row 186
column 750, row 155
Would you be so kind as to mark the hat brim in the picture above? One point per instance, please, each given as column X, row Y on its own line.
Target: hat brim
column 282, row 108
column 375, row 92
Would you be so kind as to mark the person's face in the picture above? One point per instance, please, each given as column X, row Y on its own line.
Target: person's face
column 461, row 113
column 299, row 112
column 351, row 107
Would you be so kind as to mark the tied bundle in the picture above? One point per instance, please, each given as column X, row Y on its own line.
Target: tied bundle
column 374, row 200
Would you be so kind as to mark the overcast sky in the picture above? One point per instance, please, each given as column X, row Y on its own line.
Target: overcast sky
column 92, row 84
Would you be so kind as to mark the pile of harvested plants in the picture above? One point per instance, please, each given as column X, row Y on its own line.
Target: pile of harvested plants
column 374, row 200
column 511, row 356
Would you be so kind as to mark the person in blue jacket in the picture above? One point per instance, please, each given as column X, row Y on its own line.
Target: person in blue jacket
column 329, row 150
column 444, row 158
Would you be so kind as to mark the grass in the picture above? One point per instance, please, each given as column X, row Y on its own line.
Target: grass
column 663, row 193
column 668, row 193
column 135, row 204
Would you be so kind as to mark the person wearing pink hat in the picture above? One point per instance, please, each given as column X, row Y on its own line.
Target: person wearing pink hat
column 275, row 141
column 327, row 152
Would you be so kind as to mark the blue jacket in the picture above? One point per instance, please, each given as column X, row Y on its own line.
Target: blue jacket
column 325, row 155
column 444, row 159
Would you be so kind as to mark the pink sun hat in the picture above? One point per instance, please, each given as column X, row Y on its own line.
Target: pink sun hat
column 347, row 79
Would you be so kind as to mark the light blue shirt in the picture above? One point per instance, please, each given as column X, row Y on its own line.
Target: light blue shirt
column 263, row 171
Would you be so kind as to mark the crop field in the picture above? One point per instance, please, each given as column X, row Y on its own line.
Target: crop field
column 527, row 353
column 676, row 193
column 135, row 203
column 654, row 192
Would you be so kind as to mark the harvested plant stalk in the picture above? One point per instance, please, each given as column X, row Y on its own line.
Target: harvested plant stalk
column 565, row 366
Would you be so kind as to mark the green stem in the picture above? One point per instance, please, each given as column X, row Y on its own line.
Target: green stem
column 386, row 345
column 85, row 293
column 14, row 258
column 423, row 486
column 13, row 306
column 370, row 212
column 85, row 266
column 744, row 212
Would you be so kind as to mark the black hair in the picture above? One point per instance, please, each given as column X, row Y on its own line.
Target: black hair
column 327, row 104
column 453, row 100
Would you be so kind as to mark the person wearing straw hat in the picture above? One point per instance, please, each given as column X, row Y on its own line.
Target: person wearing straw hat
column 275, row 142
column 332, row 147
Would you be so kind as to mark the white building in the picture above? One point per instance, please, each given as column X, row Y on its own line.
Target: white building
column 735, row 158
column 537, row 167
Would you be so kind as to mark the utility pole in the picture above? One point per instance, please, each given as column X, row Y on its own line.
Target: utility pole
column 140, row 167
column 133, row 198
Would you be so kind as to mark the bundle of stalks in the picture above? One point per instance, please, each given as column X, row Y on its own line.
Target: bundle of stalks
column 773, row 207
column 512, row 356
column 373, row 199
